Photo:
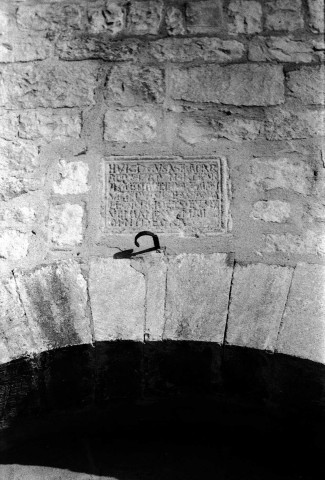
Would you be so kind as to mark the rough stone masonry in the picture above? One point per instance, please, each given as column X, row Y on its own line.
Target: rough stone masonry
column 199, row 120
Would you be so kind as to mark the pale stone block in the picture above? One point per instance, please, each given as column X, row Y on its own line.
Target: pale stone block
column 204, row 17
column 131, row 126
column 309, row 243
column 109, row 18
column 269, row 173
column 8, row 125
column 246, row 17
column 197, row 297
column 18, row 155
column 316, row 15
column 243, row 84
column 73, row 178
column 89, row 46
column 44, row 17
column 175, row 22
column 65, row 224
column 258, row 297
column 271, row 211
column 303, row 332
column 55, row 300
column 307, row 85
column 284, row 15
column 292, row 123
column 13, row 245
column 144, row 17
column 117, row 295
column 49, row 125
column 21, row 47
column 283, row 49
column 61, row 84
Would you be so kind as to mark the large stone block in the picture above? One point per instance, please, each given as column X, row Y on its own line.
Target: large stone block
column 307, row 85
column 131, row 85
column 65, row 224
column 308, row 243
column 117, row 296
column 131, row 126
column 175, row 22
column 108, row 18
column 47, row 85
column 295, row 175
column 8, row 125
column 284, row 15
column 271, row 211
column 197, row 297
column 55, row 300
column 243, row 84
column 316, row 15
column 21, row 47
column 50, row 125
column 13, row 245
column 192, row 49
column 283, row 49
column 294, row 123
column 246, row 16
column 144, row 17
column 303, row 331
column 258, row 297
column 204, row 17
column 73, row 178
column 56, row 16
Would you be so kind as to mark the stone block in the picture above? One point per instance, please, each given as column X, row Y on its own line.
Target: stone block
column 108, row 18
column 144, row 18
column 130, row 126
column 175, row 22
column 284, row 15
column 8, row 125
column 303, row 331
column 131, row 85
column 13, row 245
column 204, row 17
column 258, row 297
column 294, row 175
column 271, row 211
column 73, row 178
column 307, row 85
column 55, row 301
column 294, row 123
column 117, row 296
column 50, row 125
column 242, row 84
column 246, row 17
column 282, row 49
column 44, row 17
column 65, row 224
column 316, row 15
column 308, row 243
column 197, row 297
column 53, row 85
column 22, row 47
column 192, row 49
column 15, row 337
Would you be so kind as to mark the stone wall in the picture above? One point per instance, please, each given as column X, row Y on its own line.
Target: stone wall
column 200, row 121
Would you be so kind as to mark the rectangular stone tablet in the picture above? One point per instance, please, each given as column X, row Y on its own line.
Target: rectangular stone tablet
column 166, row 195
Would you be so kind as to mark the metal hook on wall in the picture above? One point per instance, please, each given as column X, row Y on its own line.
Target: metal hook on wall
column 130, row 253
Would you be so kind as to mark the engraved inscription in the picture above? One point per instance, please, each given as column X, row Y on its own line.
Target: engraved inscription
column 166, row 195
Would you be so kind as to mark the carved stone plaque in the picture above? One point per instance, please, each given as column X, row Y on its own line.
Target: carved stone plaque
column 166, row 195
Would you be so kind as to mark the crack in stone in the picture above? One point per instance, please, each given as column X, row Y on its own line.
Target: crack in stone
column 284, row 310
column 229, row 303
column 165, row 303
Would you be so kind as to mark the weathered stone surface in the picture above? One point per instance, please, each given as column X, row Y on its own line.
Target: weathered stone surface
column 131, row 126
column 167, row 195
column 131, row 85
column 307, row 85
column 191, row 49
column 303, row 332
column 108, row 18
column 84, row 47
column 8, row 125
column 309, row 243
column 55, row 300
column 65, row 224
column 15, row 337
column 283, row 49
column 243, row 84
column 175, row 22
column 50, row 125
column 73, row 178
column 47, row 85
column 246, row 16
column 20, row 47
column 295, row 175
column 49, row 17
column 197, row 297
column 284, row 15
column 144, row 17
column 204, row 17
column 291, row 122
column 271, row 211
column 195, row 130
column 117, row 296
column 13, row 215
column 316, row 14
column 258, row 297
column 13, row 245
